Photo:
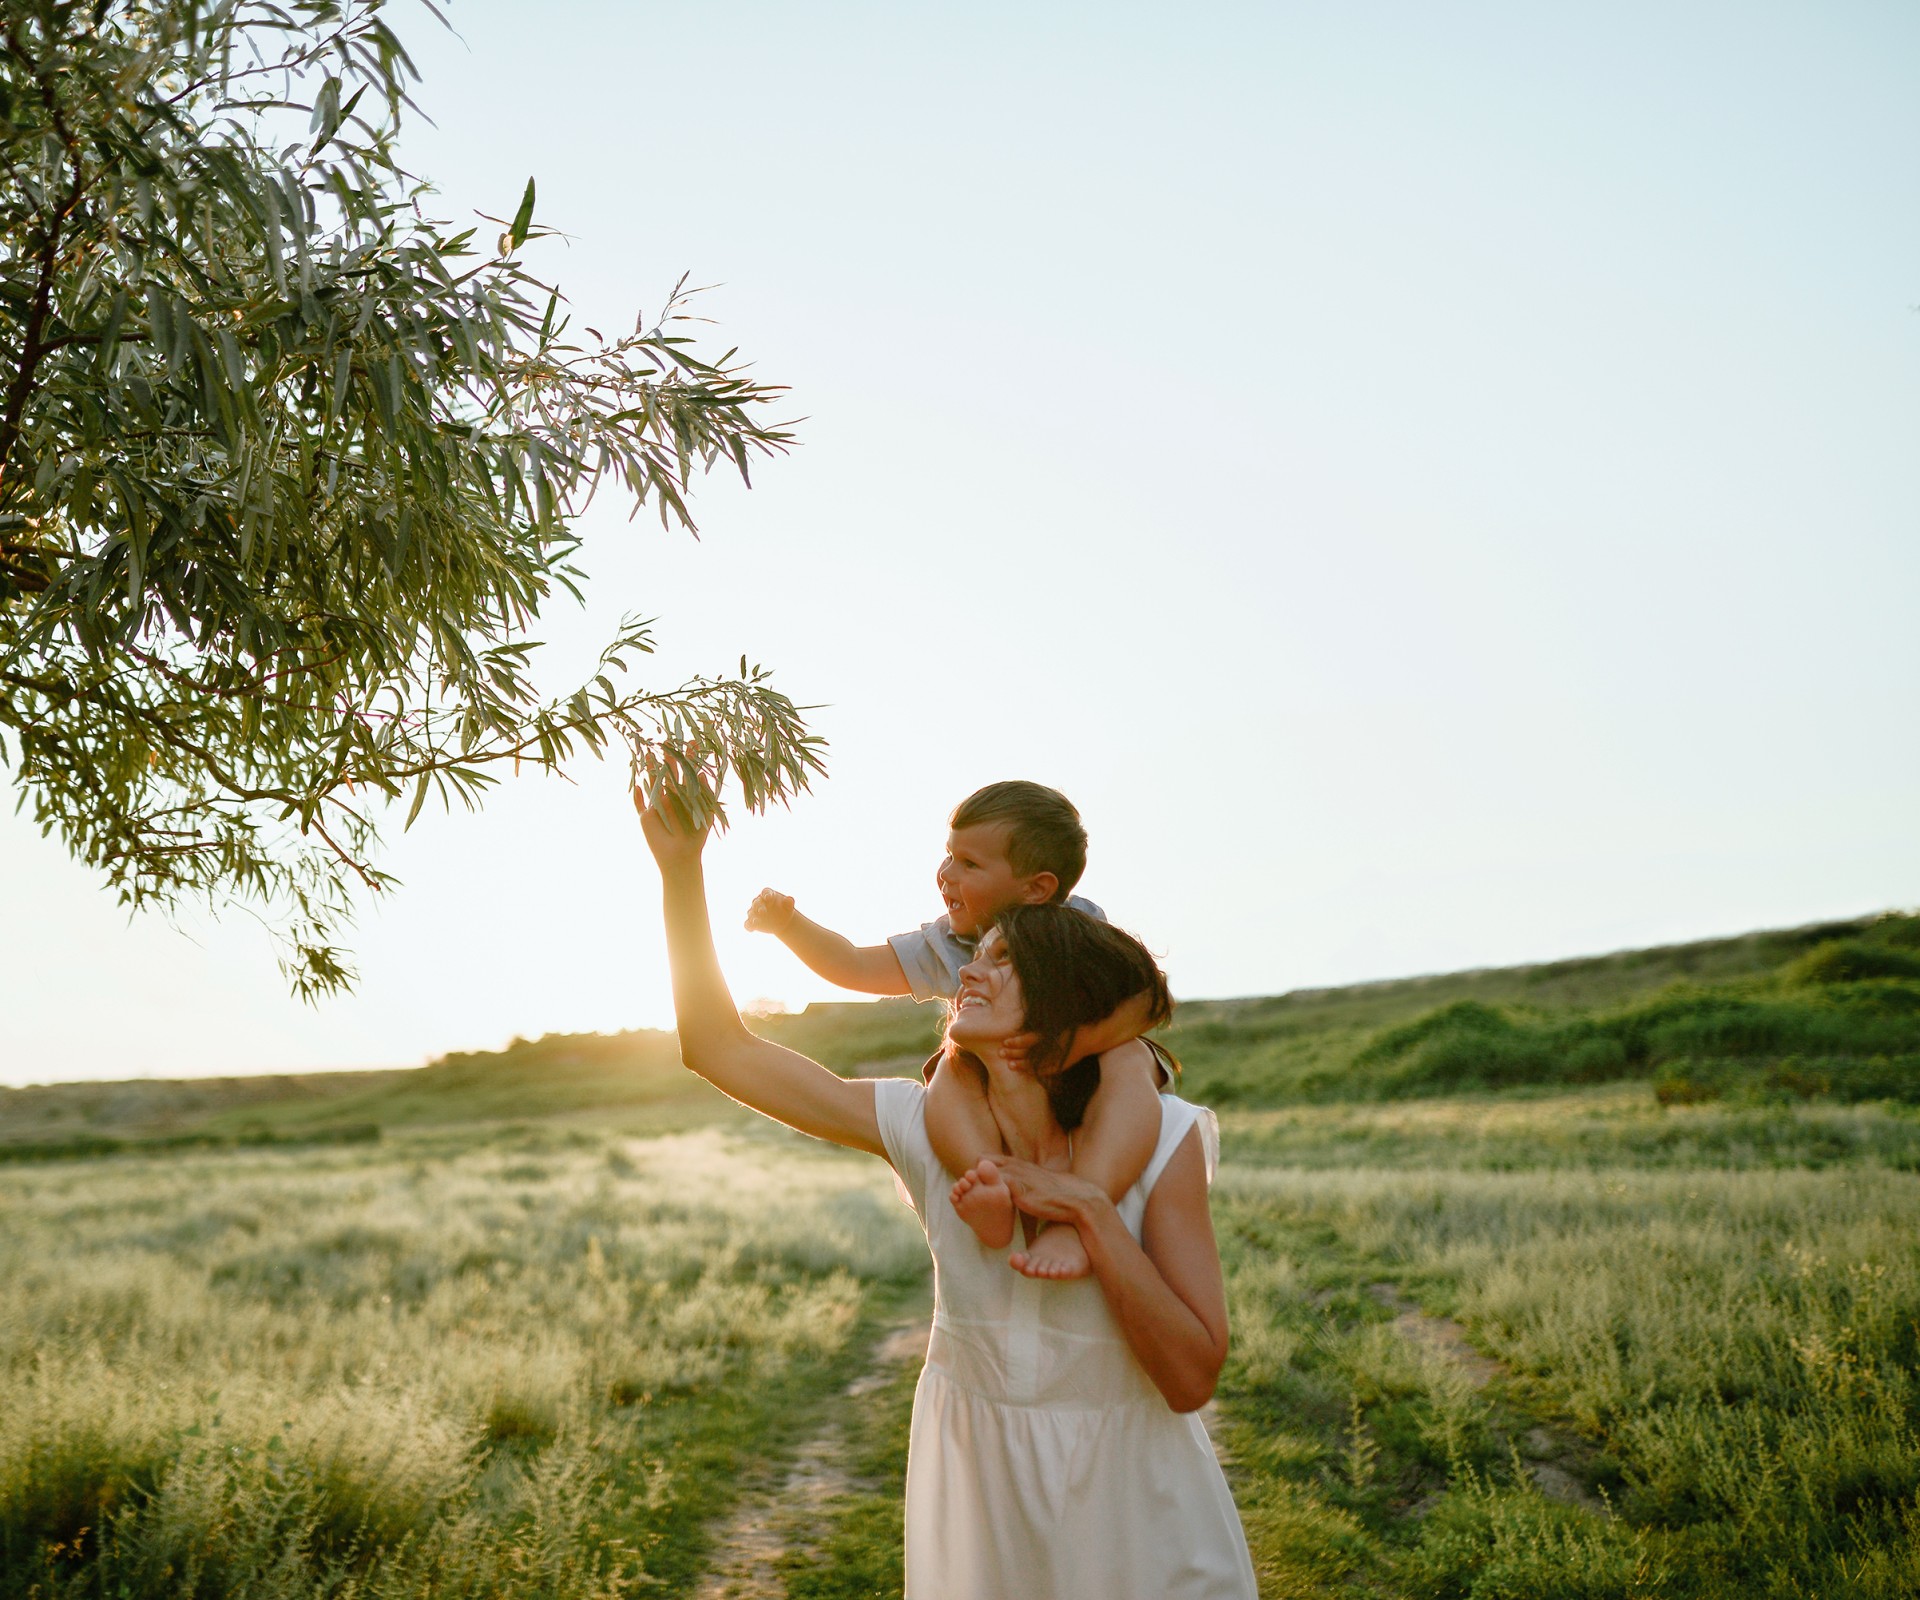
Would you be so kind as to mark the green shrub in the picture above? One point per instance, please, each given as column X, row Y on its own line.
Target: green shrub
column 1849, row 960
column 1493, row 1543
column 1855, row 1036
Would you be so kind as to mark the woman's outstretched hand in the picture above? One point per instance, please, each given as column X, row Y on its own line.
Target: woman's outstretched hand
column 672, row 842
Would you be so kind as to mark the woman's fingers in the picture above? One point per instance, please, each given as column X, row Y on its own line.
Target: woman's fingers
column 1042, row 1192
column 668, row 837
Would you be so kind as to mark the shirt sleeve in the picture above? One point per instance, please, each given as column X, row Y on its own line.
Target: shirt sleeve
column 900, row 1107
column 931, row 958
column 1086, row 907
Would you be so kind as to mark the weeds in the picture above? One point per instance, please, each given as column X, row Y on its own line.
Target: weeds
column 1735, row 1353
column 354, row 1371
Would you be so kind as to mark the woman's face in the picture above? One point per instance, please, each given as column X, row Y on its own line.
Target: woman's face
column 990, row 1006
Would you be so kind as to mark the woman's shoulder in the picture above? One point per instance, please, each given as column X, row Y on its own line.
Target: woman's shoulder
column 900, row 1108
column 1178, row 1118
column 900, row 1105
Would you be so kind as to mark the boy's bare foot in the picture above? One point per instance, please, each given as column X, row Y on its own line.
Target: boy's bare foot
column 985, row 1204
column 1057, row 1253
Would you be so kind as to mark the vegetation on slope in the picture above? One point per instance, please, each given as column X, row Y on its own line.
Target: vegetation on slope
column 1829, row 1011
column 559, row 1074
column 1813, row 1013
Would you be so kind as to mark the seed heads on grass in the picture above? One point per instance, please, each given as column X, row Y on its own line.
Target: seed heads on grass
column 1363, row 1451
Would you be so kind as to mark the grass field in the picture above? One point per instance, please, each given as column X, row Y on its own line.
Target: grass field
column 1593, row 1280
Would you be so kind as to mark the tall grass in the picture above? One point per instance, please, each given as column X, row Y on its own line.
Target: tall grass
column 1739, row 1347
column 1608, row 1125
column 531, row 1365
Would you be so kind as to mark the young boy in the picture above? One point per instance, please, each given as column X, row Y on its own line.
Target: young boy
column 1010, row 844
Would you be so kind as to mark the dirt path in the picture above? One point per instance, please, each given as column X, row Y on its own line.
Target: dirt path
column 1553, row 1457
column 749, row 1545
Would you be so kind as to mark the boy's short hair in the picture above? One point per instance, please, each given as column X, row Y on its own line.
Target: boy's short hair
column 1043, row 829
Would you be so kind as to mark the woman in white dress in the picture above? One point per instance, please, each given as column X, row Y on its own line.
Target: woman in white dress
column 1055, row 1452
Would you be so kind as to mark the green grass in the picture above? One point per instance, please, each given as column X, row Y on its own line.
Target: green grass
column 1609, row 1125
column 537, row 1336
column 1733, row 1351
column 526, row 1361
column 858, row 1551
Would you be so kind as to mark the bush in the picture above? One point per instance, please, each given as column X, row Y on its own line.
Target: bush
column 1850, row 960
column 1841, row 1019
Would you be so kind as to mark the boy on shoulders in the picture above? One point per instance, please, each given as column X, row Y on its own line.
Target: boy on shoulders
column 1014, row 843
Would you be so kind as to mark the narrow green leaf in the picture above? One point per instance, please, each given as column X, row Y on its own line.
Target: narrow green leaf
column 523, row 218
column 419, row 799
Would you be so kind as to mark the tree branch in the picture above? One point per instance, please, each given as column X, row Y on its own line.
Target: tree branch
column 31, row 349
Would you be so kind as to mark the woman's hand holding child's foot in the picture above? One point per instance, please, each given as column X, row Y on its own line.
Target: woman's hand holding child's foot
column 1057, row 1253
column 985, row 1204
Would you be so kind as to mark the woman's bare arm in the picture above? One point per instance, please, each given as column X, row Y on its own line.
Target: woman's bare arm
column 1166, row 1291
column 714, row 1042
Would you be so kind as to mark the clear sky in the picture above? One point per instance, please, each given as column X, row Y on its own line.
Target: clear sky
column 1437, row 485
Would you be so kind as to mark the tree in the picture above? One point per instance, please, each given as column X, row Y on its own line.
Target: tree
column 288, row 468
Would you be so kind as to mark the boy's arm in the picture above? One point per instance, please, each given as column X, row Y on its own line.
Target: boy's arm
column 1122, row 1123
column 869, row 969
column 1128, row 1020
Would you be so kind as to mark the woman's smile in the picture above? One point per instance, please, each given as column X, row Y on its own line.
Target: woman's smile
column 989, row 1005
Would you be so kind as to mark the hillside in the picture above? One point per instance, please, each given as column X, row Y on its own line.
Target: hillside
column 1830, row 1010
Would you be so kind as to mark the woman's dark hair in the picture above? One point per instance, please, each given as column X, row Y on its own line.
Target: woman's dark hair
column 1075, row 969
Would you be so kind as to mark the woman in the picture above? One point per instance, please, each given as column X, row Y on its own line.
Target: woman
column 1054, row 1451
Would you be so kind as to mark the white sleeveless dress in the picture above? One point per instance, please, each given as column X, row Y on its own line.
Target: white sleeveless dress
column 1043, row 1463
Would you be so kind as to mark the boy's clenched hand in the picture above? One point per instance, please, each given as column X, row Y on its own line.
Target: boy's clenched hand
column 1014, row 1048
column 770, row 912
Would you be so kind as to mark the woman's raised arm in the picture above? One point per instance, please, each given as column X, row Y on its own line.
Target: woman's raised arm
column 1166, row 1291
column 714, row 1042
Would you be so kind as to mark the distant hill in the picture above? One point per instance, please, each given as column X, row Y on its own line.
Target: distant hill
column 1832, row 1009
column 530, row 1078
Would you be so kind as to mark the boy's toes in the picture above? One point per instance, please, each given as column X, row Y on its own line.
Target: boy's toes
column 1059, row 1252
column 985, row 1204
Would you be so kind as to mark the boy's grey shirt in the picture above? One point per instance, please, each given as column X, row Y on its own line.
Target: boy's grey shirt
column 932, row 955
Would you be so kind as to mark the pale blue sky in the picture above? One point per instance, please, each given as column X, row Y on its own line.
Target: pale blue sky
column 1436, row 484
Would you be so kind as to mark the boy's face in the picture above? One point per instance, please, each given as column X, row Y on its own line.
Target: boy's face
column 978, row 882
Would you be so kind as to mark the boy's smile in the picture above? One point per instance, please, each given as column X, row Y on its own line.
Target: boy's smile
column 977, row 881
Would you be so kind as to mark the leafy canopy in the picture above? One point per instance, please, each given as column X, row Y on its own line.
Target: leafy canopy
column 288, row 468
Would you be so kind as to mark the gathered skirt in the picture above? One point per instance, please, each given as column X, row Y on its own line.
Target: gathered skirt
column 1122, row 1502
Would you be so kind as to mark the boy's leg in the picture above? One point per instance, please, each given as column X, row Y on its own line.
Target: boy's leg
column 1112, row 1148
column 961, row 1129
column 1121, row 1128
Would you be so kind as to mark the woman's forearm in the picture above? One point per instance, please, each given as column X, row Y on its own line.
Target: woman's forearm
column 1180, row 1353
column 715, row 1043
column 703, row 1006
